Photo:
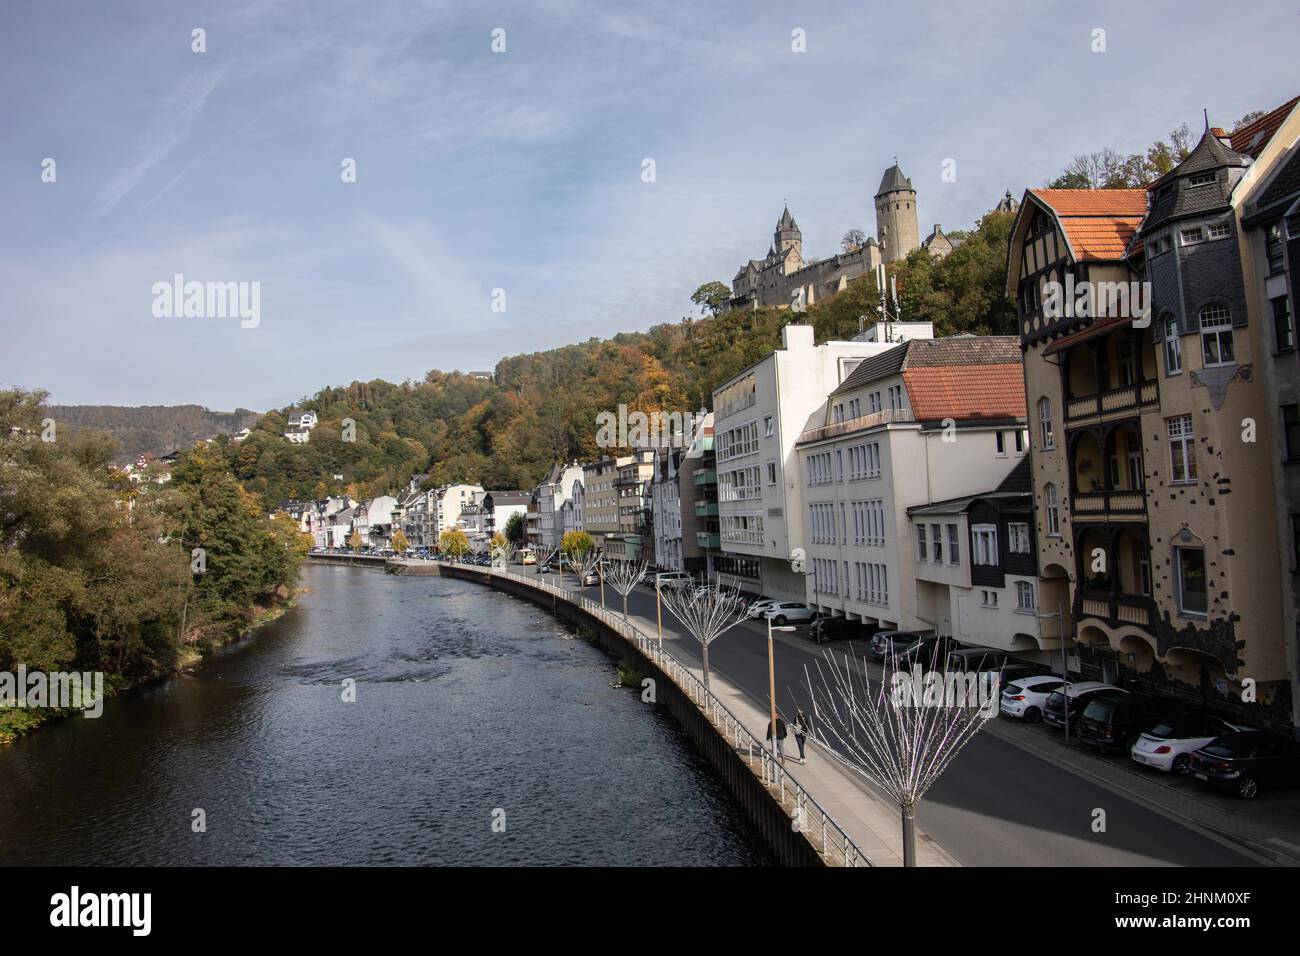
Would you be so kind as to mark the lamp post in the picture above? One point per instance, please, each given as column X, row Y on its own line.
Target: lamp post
column 1059, row 614
column 771, row 680
column 659, row 615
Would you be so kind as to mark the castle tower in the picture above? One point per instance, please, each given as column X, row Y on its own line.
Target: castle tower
column 897, row 230
column 787, row 235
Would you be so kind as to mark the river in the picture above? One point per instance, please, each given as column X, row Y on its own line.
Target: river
column 483, row 732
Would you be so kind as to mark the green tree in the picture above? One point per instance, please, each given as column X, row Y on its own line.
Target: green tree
column 514, row 529
column 712, row 297
column 576, row 544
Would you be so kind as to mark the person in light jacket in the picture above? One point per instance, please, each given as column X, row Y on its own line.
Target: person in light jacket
column 778, row 737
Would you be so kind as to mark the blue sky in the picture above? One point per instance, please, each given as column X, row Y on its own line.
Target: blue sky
column 519, row 170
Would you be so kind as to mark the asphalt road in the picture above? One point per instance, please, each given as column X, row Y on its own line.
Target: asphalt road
column 997, row 804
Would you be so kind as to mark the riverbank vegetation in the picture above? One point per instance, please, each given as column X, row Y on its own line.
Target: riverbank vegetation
column 99, row 574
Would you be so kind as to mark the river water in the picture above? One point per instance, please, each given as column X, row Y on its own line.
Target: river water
column 483, row 732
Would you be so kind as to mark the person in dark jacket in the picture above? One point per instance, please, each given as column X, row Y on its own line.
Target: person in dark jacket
column 801, row 732
column 781, row 734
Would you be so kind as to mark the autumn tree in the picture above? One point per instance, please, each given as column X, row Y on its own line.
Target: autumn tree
column 400, row 541
column 453, row 543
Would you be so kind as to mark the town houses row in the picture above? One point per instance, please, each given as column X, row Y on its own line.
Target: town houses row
column 1115, row 488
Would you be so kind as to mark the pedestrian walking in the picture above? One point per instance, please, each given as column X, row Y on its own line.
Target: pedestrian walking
column 778, row 737
column 801, row 732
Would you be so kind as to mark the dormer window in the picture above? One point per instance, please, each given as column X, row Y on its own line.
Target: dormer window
column 1190, row 236
column 1201, row 179
column 1220, row 230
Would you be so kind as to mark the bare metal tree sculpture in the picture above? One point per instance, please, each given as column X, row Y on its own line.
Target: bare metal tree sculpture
column 903, row 733
column 586, row 562
column 545, row 556
column 707, row 614
column 624, row 576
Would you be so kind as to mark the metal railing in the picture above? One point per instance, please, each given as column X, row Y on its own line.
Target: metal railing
column 807, row 816
column 886, row 416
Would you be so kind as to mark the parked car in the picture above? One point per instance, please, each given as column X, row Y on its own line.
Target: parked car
column 1248, row 761
column 1017, row 671
column 1114, row 721
column 825, row 629
column 928, row 652
column 760, row 607
column 590, row 578
column 1024, row 697
column 673, row 579
column 891, row 643
column 1066, row 704
column 784, row 612
column 546, row 569
column 1168, row 745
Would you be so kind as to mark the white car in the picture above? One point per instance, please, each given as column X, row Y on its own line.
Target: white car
column 1023, row 698
column 782, row 612
column 759, row 608
column 673, row 579
column 1168, row 744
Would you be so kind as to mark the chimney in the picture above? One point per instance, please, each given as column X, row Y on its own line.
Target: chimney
column 797, row 337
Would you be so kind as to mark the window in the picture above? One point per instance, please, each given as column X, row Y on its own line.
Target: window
column 1127, row 365
column 922, row 553
column 1220, row 230
column 1216, row 335
column 771, row 472
column 1189, row 569
column 767, row 426
column 1182, row 449
column 1018, row 537
column 1173, row 346
column 1045, row 422
column 985, row 538
column 1283, row 333
column 936, row 539
column 989, row 598
column 895, row 398
column 1020, row 442
column 954, row 555
column 1295, row 542
column 1024, row 596
column 873, row 402
column 1052, row 507
column 1001, row 444
column 837, row 413
column 855, row 408
column 1192, row 235
column 1291, row 424
column 1273, row 246
column 1202, row 179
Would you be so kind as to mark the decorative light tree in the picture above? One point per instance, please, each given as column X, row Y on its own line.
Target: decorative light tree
column 902, row 734
column 624, row 576
column 706, row 613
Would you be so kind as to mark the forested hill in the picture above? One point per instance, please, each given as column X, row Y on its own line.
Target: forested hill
column 159, row 429
column 542, row 406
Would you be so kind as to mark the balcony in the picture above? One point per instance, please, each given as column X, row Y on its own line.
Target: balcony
column 737, row 406
column 708, row 539
column 1118, row 609
column 1100, row 404
column 1109, row 506
column 708, row 476
column 706, row 509
column 884, row 417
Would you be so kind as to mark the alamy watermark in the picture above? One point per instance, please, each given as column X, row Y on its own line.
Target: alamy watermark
column 75, row 690
column 1082, row 300
column 950, row 689
column 624, row 429
column 208, row 300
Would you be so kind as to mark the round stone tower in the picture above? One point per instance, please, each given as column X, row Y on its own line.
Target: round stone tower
column 897, row 229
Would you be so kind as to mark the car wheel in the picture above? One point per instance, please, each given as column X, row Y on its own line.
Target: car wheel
column 1247, row 788
column 1182, row 765
column 779, row 620
column 1033, row 715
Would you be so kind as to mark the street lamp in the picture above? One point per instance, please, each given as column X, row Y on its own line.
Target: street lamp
column 771, row 679
column 1059, row 614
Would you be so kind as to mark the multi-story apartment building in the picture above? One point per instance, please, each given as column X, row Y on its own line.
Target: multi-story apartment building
column 500, row 506
column 667, row 516
column 555, row 489
column 373, row 519
column 447, row 502
column 977, row 568
column 758, row 416
column 1267, row 201
column 1153, row 491
column 600, row 500
column 635, row 538
column 926, row 421
column 684, row 509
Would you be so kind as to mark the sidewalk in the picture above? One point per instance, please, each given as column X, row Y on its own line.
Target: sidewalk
column 870, row 819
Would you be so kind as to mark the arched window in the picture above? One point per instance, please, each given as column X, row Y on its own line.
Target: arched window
column 1052, row 507
column 1216, row 335
column 1045, row 422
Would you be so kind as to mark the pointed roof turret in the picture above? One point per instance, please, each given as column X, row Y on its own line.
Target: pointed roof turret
column 894, row 181
column 786, row 221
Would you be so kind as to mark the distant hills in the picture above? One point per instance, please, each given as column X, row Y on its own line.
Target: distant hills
column 159, row 429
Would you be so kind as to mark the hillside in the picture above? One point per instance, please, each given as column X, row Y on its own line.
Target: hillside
column 158, row 429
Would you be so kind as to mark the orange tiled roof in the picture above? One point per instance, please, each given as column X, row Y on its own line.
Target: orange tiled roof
column 966, row 391
column 1098, row 222
column 1252, row 138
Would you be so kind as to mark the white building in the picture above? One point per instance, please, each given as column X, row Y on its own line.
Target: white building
column 924, row 422
column 758, row 416
column 446, row 504
column 373, row 519
column 666, row 509
column 555, row 489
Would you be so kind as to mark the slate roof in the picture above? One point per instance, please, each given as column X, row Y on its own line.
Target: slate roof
column 893, row 181
column 1172, row 195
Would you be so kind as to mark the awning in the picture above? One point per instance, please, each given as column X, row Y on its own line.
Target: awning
column 1098, row 328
